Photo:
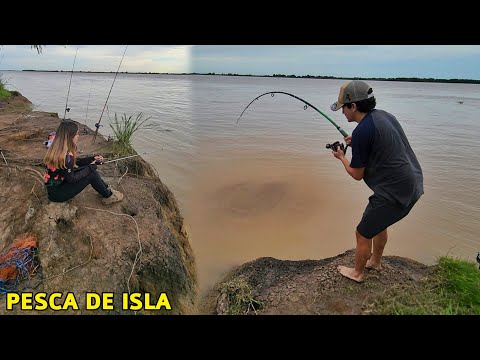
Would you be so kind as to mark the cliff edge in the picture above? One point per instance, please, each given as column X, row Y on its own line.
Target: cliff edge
column 134, row 254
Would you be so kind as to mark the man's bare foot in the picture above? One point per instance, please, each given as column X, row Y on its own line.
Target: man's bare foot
column 350, row 273
column 371, row 265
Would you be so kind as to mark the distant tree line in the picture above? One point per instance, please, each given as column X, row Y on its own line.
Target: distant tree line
column 404, row 79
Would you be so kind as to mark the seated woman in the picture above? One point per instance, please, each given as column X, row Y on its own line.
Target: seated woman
column 65, row 175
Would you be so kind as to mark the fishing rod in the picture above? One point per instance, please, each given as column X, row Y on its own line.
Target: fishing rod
column 66, row 104
column 110, row 161
column 97, row 125
column 344, row 134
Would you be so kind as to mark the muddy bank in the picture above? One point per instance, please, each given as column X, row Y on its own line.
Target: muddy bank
column 269, row 286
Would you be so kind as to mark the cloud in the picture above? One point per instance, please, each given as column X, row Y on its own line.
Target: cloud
column 144, row 58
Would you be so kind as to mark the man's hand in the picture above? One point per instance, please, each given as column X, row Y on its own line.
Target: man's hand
column 348, row 139
column 338, row 153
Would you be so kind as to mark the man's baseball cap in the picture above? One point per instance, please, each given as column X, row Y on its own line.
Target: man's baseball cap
column 354, row 90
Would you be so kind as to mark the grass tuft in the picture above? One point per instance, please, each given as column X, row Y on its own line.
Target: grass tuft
column 454, row 289
column 240, row 298
column 123, row 130
column 459, row 284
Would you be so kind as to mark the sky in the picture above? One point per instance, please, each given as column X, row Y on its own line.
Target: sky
column 151, row 58
column 368, row 61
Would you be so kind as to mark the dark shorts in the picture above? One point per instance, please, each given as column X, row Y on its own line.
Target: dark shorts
column 379, row 215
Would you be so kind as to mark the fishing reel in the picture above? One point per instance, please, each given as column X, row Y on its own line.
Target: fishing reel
column 335, row 145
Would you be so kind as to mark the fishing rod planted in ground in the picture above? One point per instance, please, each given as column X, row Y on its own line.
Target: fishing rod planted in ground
column 110, row 161
column 97, row 125
column 66, row 104
column 343, row 132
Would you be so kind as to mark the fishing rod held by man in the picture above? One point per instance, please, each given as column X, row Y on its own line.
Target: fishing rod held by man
column 307, row 104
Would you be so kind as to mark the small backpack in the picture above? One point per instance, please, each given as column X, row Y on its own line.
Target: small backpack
column 50, row 139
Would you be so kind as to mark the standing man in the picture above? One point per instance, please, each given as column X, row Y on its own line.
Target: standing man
column 383, row 158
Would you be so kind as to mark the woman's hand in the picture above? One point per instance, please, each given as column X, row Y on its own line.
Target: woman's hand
column 98, row 158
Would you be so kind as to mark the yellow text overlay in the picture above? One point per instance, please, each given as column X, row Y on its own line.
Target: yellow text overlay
column 93, row 301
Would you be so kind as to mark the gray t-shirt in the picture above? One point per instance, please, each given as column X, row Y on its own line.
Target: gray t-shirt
column 392, row 170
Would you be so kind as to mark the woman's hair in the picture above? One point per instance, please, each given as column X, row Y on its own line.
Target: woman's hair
column 62, row 143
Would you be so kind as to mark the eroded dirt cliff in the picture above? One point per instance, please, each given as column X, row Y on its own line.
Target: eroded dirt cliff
column 139, row 245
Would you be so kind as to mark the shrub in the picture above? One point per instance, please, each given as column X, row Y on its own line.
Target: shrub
column 123, row 130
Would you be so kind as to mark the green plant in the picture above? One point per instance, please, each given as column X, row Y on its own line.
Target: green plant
column 4, row 93
column 454, row 289
column 123, row 130
column 240, row 298
column 460, row 284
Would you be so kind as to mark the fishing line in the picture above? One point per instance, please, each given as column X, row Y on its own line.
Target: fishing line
column 88, row 103
column 66, row 104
